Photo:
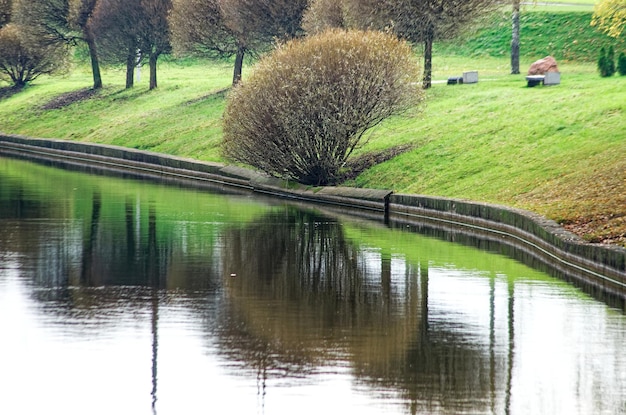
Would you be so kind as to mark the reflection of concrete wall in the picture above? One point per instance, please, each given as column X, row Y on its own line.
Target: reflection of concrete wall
column 603, row 267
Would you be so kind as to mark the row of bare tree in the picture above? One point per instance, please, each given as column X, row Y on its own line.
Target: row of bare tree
column 418, row 21
column 131, row 32
column 240, row 26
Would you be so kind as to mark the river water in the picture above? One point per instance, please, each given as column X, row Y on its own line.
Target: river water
column 119, row 296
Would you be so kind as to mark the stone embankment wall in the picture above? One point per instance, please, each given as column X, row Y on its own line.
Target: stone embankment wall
column 601, row 267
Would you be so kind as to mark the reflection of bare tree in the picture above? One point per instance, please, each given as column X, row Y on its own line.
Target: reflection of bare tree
column 129, row 218
column 511, row 346
column 87, row 270
column 300, row 261
column 439, row 370
column 154, row 326
column 21, row 212
column 302, row 296
column 114, row 264
column 93, row 238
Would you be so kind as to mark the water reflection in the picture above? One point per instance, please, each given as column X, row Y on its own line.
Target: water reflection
column 180, row 301
column 307, row 295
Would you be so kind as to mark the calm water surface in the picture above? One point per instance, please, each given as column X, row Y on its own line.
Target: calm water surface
column 123, row 297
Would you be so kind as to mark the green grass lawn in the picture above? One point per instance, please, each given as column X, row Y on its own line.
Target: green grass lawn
column 502, row 142
column 180, row 117
column 559, row 151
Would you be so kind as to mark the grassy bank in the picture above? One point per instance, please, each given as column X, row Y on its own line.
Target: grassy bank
column 559, row 151
column 567, row 36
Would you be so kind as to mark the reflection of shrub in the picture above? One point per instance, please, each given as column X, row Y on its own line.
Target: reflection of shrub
column 621, row 64
column 23, row 59
column 606, row 62
column 307, row 105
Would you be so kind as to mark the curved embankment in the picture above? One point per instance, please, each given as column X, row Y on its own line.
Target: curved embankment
column 601, row 269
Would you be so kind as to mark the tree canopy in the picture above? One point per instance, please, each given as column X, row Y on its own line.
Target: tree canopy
column 227, row 28
column 610, row 16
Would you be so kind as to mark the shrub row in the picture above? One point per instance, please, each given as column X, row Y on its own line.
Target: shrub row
column 606, row 62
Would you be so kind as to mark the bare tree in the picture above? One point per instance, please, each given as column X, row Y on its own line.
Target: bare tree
column 80, row 19
column 155, row 33
column 227, row 28
column 61, row 21
column 129, row 32
column 199, row 28
column 23, row 58
column 117, row 26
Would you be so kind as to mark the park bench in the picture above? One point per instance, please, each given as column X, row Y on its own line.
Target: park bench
column 549, row 78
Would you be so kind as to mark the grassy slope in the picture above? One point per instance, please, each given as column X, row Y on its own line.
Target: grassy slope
column 556, row 150
column 564, row 35
column 559, row 151
column 181, row 117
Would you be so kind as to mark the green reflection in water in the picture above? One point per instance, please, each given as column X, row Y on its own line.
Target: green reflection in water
column 108, row 231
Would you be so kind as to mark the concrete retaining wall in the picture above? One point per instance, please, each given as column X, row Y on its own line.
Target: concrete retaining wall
column 604, row 267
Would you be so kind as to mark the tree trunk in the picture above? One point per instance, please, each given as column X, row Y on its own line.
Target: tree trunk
column 515, row 38
column 238, row 64
column 130, row 68
column 153, row 70
column 93, row 54
column 428, row 59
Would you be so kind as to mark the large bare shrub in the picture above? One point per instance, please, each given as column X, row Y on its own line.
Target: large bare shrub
column 61, row 22
column 321, row 15
column 6, row 8
column 307, row 105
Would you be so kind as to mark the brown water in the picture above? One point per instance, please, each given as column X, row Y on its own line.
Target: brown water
column 123, row 297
